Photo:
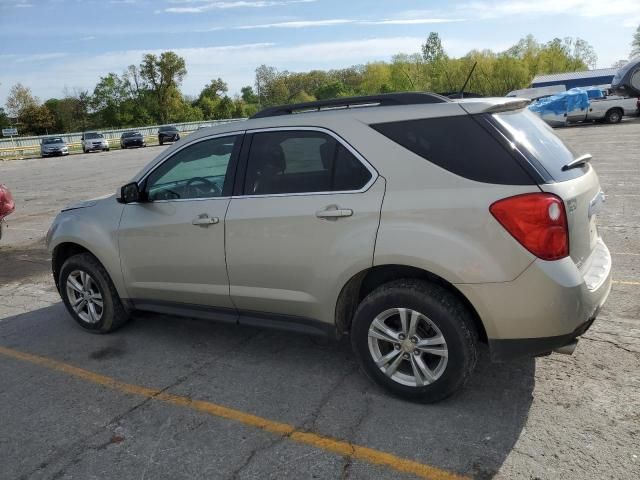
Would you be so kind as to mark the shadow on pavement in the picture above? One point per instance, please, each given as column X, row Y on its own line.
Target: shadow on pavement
column 285, row 377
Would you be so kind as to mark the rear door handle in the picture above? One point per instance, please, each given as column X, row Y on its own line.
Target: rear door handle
column 204, row 220
column 333, row 212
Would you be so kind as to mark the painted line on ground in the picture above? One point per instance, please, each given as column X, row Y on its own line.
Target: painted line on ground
column 626, row 253
column 328, row 444
column 625, row 282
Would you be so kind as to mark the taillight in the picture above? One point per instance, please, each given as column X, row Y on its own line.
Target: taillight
column 538, row 221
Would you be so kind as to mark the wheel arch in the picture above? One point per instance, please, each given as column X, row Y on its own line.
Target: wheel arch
column 64, row 251
column 364, row 282
column 620, row 110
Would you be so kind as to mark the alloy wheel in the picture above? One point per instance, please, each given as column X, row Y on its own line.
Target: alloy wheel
column 84, row 296
column 408, row 347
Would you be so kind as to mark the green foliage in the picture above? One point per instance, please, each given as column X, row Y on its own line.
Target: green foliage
column 149, row 93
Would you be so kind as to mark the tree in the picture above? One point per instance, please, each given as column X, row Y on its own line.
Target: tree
column 164, row 75
column 36, row 119
column 620, row 63
column 248, row 95
column 635, row 44
column 20, row 98
column 4, row 118
column 108, row 98
column 215, row 89
column 432, row 51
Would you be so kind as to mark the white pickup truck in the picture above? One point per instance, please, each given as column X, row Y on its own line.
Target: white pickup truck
column 609, row 109
column 557, row 110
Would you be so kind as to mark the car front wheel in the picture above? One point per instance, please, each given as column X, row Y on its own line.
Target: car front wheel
column 89, row 294
column 415, row 339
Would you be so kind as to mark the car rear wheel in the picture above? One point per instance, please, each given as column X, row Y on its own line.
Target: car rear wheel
column 89, row 294
column 415, row 339
column 613, row 116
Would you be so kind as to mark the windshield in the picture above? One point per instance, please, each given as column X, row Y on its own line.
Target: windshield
column 167, row 129
column 539, row 142
column 131, row 134
column 93, row 135
column 47, row 141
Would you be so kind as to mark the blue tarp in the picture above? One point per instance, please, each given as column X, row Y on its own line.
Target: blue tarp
column 564, row 102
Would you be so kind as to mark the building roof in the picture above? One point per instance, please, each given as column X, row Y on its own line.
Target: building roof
column 557, row 77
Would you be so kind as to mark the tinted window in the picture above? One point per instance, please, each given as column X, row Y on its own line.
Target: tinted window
column 539, row 142
column 52, row 140
column 196, row 171
column 301, row 162
column 89, row 136
column 460, row 145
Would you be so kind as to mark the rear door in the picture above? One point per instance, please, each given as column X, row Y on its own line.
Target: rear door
column 304, row 222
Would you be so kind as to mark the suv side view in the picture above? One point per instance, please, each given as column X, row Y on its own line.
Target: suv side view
column 417, row 225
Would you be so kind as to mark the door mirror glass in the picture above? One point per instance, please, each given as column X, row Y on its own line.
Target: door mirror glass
column 130, row 193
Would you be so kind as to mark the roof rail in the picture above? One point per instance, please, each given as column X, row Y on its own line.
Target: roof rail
column 383, row 100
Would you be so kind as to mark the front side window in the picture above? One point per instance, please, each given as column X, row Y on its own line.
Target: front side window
column 197, row 171
column 282, row 162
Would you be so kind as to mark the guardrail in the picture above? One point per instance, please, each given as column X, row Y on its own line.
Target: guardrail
column 30, row 146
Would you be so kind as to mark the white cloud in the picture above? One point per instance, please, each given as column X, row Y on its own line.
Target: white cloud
column 412, row 21
column 39, row 57
column 299, row 24
column 207, row 6
column 583, row 8
column 88, row 37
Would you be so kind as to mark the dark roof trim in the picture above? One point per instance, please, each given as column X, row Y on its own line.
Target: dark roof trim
column 382, row 100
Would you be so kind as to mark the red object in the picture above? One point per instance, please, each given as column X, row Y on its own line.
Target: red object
column 7, row 205
column 538, row 221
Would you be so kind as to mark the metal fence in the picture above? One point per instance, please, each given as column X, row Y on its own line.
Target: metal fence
column 10, row 147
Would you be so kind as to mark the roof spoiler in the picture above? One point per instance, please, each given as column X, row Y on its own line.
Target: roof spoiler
column 494, row 105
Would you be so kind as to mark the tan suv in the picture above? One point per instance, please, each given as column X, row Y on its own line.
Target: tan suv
column 417, row 225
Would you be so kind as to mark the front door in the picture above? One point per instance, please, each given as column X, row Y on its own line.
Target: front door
column 305, row 222
column 172, row 245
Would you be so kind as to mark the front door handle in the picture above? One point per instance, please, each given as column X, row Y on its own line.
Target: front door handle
column 333, row 212
column 204, row 220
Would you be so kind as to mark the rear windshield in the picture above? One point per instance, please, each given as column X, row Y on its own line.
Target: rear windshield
column 539, row 143
column 92, row 135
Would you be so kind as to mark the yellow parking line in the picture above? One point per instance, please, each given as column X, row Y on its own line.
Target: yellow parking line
column 340, row 447
column 625, row 282
column 626, row 253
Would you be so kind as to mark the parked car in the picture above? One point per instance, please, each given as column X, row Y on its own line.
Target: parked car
column 7, row 205
column 92, row 141
column 417, row 225
column 168, row 133
column 132, row 139
column 53, row 146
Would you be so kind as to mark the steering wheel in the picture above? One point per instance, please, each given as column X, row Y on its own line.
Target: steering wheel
column 200, row 187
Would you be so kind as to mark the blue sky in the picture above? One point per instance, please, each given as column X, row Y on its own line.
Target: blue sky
column 50, row 45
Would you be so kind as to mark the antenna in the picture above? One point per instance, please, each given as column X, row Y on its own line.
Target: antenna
column 467, row 80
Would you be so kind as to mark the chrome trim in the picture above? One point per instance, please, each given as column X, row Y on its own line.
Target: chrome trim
column 374, row 173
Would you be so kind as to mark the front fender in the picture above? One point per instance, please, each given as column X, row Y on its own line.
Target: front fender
column 94, row 229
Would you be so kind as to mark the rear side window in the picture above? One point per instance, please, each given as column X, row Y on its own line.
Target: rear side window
column 460, row 145
column 539, row 143
column 289, row 161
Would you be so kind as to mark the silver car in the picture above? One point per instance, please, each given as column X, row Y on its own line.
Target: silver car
column 421, row 227
column 53, row 146
column 92, row 141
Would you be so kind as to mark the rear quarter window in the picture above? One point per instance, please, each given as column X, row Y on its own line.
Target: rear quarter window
column 460, row 145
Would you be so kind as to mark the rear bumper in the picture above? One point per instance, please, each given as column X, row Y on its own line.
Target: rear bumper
column 509, row 349
column 546, row 307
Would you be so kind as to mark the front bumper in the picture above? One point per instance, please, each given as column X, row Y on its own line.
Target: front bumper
column 547, row 306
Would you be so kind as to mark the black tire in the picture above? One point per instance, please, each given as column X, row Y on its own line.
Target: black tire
column 113, row 315
column 445, row 311
column 160, row 141
column 613, row 116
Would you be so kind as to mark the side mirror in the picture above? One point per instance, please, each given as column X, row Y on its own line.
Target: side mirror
column 130, row 193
